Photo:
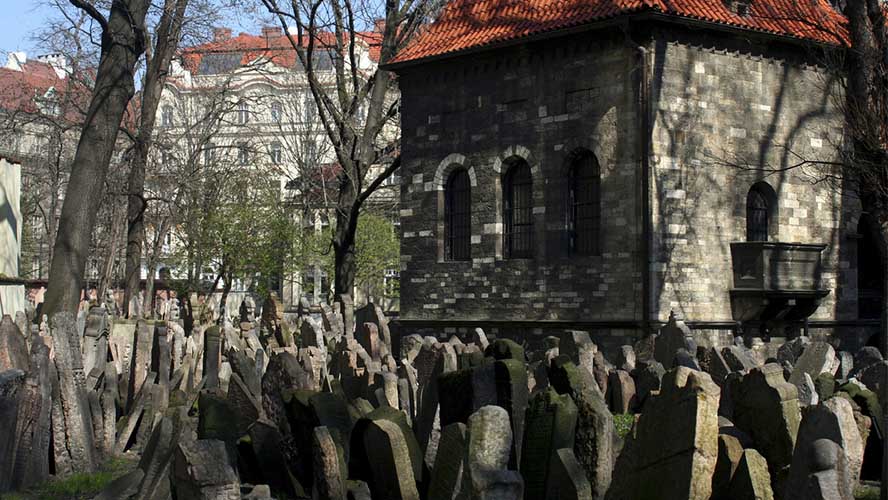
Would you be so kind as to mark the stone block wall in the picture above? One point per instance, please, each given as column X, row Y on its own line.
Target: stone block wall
column 540, row 103
column 723, row 107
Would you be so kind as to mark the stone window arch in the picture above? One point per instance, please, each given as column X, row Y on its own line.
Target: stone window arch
column 761, row 212
column 458, row 216
column 518, row 240
column 584, row 204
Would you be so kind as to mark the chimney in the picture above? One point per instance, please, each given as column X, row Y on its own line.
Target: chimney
column 221, row 34
column 15, row 60
column 271, row 32
column 57, row 62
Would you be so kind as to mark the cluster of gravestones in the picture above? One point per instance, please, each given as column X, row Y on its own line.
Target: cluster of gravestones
column 302, row 409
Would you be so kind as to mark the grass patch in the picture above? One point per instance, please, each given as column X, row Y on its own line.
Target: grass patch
column 76, row 486
column 866, row 492
column 624, row 424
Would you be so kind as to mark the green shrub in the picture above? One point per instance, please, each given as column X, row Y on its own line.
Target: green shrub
column 624, row 424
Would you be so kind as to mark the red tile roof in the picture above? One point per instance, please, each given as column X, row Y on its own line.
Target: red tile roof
column 21, row 90
column 471, row 24
column 278, row 49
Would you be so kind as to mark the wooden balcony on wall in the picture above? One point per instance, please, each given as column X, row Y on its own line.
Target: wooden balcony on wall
column 776, row 281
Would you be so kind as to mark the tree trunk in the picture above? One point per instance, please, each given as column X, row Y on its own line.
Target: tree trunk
column 344, row 266
column 223, row 301
column 148, row 309
column 167, row 39
column 122, row 45
column 107, row 279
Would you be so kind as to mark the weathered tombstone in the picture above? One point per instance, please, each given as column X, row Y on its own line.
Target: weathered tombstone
column 202, row 472
column 578, row 346
column 74, row 428
column 833, row 420
column 330, row 470
column 807, row 392
column 33, row 421
column 846, row 365
column 446, row 481
column 140, row 359
column 13, row 348
column 156, row 459
column 487, row 456
column 551, row 422
column 12, row 384
column 621, row 388
column 360, row 457
column 673, row 336
column 265, row 444
column 246, row 407
column 825, row 472
column 626, row 358
column 367, row 335
column 595, row 433
column 567, row 480
column 372, row 313
column 479, row 338
column 738, row 358
column 865, row 357
column 817, row 358
column 688, row 406
column 212, row 356
column 752, row 480
column 390, row 462
column 767, row 408
column 730, row 451
column 790, row 351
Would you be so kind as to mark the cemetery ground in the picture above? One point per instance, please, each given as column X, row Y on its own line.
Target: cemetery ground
column 277, row 405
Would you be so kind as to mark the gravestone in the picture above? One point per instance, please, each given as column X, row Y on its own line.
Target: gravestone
column 13, row 348
column 752, row 479
column 447, row 475
column 487, row 456
column 688, row 407
column 621, row 387
column 212, row 361
column 202, row 472
column 767, row 408
column 823, row 466
column 33, row 420
column 567, row 480
column 817, row 358
column 390, row 462
column 330, row 472
column 12, row 383
column 673, row 336
column 551, row 422
column 74, row 428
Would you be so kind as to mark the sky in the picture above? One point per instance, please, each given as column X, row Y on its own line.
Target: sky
column 20, row 18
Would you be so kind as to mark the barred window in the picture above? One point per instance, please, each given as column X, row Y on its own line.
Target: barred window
column 243, row 113
column 518, row 211
column 584, row 211
column 457, row 216
column 276, row 153
column 758, row 213
column 276, row 112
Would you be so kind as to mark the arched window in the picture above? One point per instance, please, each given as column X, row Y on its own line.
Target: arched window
column 518, row 211
column 457, row 216
column 760, row 205
column 584, row 210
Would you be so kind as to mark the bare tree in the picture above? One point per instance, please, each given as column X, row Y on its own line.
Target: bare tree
column 355, row 105
column 122, row 44
column 166, row 39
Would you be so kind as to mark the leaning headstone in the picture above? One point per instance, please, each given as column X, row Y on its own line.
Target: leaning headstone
column 330, row 470
column 33, row 421
column 865, row 357
column 621, row 389
column 202, row 472
column 389, row 460
column 730, row 451
column 446, row 481
column 817, row 358
column 647, row 376
column 790, row 351
column 12, row 383
column 124, row 486
column 846, row 365
column 13, row 348
column 767, row 408
column 821, row 474
column 567, row 480
column 372, row 313
column 487, row 456
column 140, row 359
column 75, row 429
column 752, row 479
column 673, row 336
column 739, row 358
column 626, row 358
column 155, row 461
column 550, row 425
column 212, row 357
column 833, row 420
column 594, row 442
column 807, row 392
column 687, row 404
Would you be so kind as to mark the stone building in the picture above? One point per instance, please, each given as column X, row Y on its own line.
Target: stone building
column 598, row 165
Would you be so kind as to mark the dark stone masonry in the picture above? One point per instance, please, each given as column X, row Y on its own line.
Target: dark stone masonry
column 674, row 119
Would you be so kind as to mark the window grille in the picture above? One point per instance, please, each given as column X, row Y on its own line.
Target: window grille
column 457, row 216
column 518, row 212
